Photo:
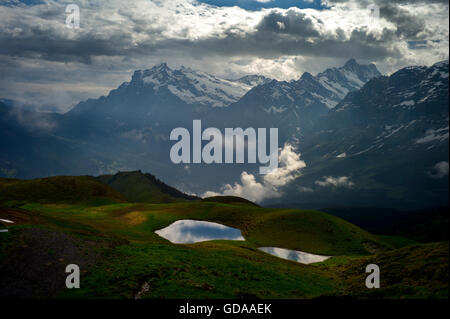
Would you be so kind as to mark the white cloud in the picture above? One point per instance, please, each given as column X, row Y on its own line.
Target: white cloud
column 289, row 169
column 32, row 120
column 440, row 170
column 340, row 181
column 116, row 37
column 304, row 189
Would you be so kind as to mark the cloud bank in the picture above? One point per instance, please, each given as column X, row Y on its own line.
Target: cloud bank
column 45, row 63
column 289, row 169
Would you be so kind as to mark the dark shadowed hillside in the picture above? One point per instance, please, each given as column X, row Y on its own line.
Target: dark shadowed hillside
column 143, row 187
column 420, row 225
column 57, row 189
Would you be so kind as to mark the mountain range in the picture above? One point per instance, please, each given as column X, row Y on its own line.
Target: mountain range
column 389, row 139
column 364, row 137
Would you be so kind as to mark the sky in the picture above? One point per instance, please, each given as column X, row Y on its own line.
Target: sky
column 50, row 67
column 264, row 4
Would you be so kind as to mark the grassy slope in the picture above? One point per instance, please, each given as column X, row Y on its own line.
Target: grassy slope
column 58, row 189
column 209, row 270
column 396, row 241
column 229, row 269
column 415, row 271
column 213, row 269
column 229, row 200
column 308, row 231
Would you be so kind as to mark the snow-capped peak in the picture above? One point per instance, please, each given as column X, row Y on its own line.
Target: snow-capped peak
column 350, row 77
column 196, row 87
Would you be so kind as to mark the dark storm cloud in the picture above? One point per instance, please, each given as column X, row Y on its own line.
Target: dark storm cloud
column 51, row 48
column 51, row 45
column 293, row 22
column 272, row 46
column 409, row 25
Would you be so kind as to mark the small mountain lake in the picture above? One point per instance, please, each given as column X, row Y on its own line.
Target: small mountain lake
column 295, row 255
column 188, row 231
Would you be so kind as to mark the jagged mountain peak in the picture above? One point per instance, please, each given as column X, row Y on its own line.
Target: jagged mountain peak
column 307, row 76
column 351, row 63
column 195, row 87
column 161, row 67
column 157, row 69
column 350, row 77
column 413, row 89
column 327, row 88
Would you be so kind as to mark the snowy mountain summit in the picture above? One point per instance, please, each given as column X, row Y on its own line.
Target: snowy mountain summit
column 196, row 87
column 313, row 95
column 337, row 82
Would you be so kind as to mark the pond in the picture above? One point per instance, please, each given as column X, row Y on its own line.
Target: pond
column 188, row 231
column 295, row 255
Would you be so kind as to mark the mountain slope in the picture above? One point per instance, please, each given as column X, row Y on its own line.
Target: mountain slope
column 184, row 86
column 139, row 187
column 31, row 146
column 389, row 140
column 295, row 106
column 348, row 78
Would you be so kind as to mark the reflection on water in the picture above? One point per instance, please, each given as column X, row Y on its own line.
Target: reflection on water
column 193, row 231
column 6, row 221
column 295, row 255
column 3, row 230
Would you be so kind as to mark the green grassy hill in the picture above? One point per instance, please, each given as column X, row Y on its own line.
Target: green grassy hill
column 58, row 189
column 229, row 200
column 63, row 220
column 308, row 231
column 139, row 187
column 415, row 271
